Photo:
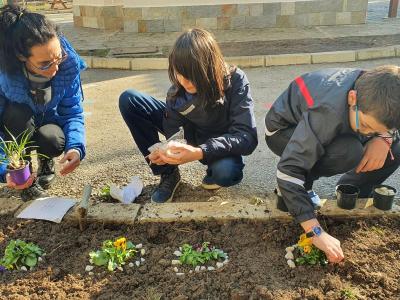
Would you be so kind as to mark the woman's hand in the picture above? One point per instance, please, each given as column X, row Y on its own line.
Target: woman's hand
column 155, row 158
column 13, row 185
column 72, row 160
column 375, row 155
column 178, row 154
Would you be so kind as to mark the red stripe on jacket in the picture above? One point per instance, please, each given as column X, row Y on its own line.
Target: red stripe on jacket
column 304, row 91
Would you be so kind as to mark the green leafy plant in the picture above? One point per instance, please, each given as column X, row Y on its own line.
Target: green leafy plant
column 348, row 294
column 19, row 253
column 200, row 254
column 105, row 191
column 308, row 253
column 17, row 150
column 113, row 254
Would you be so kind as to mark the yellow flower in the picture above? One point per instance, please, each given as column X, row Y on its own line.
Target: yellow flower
column 120, row 243
column 304, row 241
column 307, row 249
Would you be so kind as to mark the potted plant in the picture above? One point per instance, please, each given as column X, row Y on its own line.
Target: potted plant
column 16, row 154
column 383, row 196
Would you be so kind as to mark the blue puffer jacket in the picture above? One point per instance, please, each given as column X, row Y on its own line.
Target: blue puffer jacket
column 65, row 108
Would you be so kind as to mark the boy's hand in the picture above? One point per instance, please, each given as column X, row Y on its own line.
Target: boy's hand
column 24, row 186
column 375, row 155
column 72, row 159
column 330, row 245
column 155, row 158
column 178, row 154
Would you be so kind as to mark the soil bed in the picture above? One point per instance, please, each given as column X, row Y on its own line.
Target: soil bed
column 257, row 268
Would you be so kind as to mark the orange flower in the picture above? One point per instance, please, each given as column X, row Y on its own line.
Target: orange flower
column 307, row 249
column 304, row 241
column 120, row 243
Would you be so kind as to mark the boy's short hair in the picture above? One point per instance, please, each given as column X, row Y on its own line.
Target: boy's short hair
column 378, row 94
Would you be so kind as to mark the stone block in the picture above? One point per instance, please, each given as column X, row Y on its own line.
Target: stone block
column 76, row 10
column 314, row 19
column 333, row 57
column 140, row 64
column 111, row 63
column 112, row 12
column 172, row 25
column 204, row 11
column 113, row 23
column 271, row 9
column 155, row 13
column 301, row 20
column 358, row 17
column 207, row 23
column 357, row 5
column 243, row 10
column 142, row 26
column 90, row 22
column 223, row 23
column 288, row 59
column 260, row 22
column 9, row 205
column 305, row 7
column 88, row 11
column 397, row 50
column 246, row 61
column 88, row 60
column 78, row 21
column 238, row 22
column 286, row 21
column 132, row 13
column 131, row 25
column 188, row 23
column 373, row 53
column 155, row 25
column 331, row 5
column 343, row 18
column 327, row 18
column 256, row 9
column 229, row 10
column 288, row 8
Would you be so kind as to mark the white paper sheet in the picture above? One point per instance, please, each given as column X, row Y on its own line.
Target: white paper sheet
column 51, row 209
column 129, row 193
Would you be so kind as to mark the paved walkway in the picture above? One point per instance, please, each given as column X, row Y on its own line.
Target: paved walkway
column 90, row 39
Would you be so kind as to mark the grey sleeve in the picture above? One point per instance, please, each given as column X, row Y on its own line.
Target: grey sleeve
column 316, row 130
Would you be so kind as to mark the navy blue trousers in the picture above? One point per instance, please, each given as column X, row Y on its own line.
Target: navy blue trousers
column 143, row 115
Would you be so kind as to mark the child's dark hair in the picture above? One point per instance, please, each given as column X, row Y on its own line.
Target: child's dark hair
column 20, row 30
column 378, row 94
column 197, row 57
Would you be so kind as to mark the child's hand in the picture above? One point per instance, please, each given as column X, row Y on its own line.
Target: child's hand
column 331, row 247
column 72, row 160
column 375, row 155
column 155, row 158
column 24, row 186
column 178, row 154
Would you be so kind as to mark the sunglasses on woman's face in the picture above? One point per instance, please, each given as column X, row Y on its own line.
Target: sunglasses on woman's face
column 56, row 62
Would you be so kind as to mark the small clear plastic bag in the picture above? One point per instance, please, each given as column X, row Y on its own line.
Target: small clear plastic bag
column 175, row 138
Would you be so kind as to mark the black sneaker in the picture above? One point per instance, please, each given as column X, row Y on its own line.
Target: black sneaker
column 35, row 191
column 46, row 172
column 209, row 184
column 166, row 189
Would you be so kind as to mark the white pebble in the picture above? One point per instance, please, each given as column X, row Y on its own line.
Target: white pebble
column 295, row 246
column 178, row 253
column 220, row 265
column 191, row 271
column 291, row 264
column 197, row 269
column 131, row 265
column 142, row 259
column 23, row 268
column 120, row 268
column 210, row 268
column 203, row 268
column 89, row 268
column 180, row 274
column 91, row 273
column 176, row 270
column 139, row 246
column 289, row 255
column 180, row 249
column 137, row 263
column 40, row 259
column 289, row 249
column 142, row 252
column 225, row 261
column 176, row 262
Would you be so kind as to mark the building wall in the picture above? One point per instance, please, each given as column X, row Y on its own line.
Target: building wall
column 263, row 14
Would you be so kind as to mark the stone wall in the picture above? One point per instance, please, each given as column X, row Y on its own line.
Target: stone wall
column 283, row 14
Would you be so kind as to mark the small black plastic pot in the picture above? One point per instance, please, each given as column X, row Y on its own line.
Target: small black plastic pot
column 383, row 202
column 280, row 204
column 347, row 195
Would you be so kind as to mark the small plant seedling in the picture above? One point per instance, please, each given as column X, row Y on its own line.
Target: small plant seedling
column 113, row 254
column 20, row 254
column 200, row 255
column 305, row 253
column 378, row 230
column 348, row 294
column 105, row 191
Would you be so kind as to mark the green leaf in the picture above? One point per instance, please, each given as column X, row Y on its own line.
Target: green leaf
column 99, row 258
column 31, row 261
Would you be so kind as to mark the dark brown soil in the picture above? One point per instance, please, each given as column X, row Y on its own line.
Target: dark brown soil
column 308, row 45
column 257, row 268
